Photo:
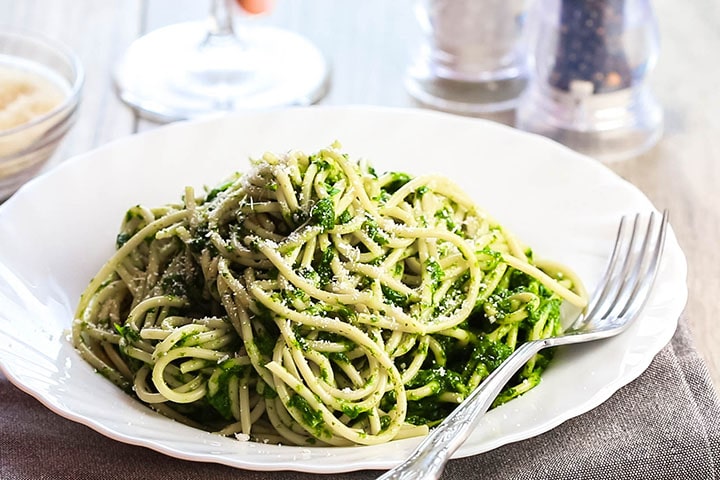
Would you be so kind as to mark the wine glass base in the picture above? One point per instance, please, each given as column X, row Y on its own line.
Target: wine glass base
column 179, row 72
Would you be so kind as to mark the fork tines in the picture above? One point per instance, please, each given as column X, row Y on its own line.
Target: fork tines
column 632, row 268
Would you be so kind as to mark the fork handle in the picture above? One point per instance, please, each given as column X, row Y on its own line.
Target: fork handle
column 430, row 457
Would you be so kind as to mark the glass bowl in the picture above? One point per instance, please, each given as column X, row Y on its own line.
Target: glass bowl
column 40, row 87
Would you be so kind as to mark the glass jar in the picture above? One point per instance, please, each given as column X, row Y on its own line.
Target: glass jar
column 471, row 60
column 589, row 62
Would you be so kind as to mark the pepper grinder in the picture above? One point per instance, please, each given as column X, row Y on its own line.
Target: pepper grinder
column 588, row 76
column 471, row 59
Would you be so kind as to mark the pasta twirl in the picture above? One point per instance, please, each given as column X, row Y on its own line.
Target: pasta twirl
column 312, row 301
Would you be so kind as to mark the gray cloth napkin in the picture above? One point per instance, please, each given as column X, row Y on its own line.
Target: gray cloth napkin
column 664, row 425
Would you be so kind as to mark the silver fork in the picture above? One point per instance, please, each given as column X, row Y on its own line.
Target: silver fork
column 618, row 300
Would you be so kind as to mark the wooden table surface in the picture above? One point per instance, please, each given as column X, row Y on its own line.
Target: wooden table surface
column 370, row 43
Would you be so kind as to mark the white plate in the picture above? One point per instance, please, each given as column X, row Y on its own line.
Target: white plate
column 59, row 229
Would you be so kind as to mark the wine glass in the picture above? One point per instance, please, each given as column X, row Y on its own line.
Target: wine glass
column 192, row 69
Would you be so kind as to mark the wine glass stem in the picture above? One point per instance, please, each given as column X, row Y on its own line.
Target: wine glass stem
column 221, row 18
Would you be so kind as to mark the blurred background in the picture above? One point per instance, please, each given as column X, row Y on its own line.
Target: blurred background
column 371, row 43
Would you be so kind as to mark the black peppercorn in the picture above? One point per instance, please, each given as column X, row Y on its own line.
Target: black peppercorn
column 590, row 56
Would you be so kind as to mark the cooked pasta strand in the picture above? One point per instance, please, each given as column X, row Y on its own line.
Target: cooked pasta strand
column 312, row 302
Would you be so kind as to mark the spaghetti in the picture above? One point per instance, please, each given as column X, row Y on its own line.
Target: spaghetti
column 313, row 301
